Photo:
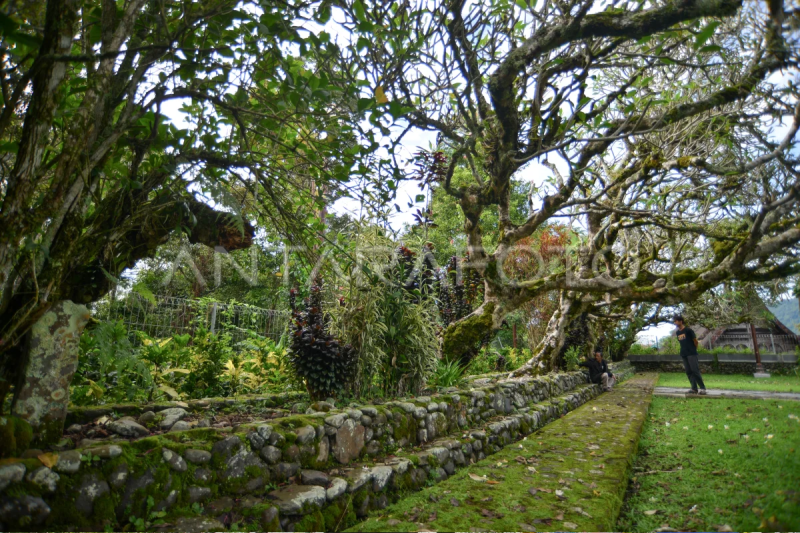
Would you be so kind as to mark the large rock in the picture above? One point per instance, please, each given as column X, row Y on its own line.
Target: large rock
column 198, row 494
column 135, row 485
column 306, row 435
column 197, row 456
column 44, row 478
column 349, row 441
column 314, row 477
column 271, row 454
column 23, row 511
column 128, row 427
column 324, row 449
column 109, row 451
column 12, row 473
column 180, row 425
column 380, row 477
column 43, row 397
column 174, row 460
column 172, row 415
column 224, row 449
column 238, row 465
column 68, row 462
column 337, row 488
column 297, row 499
column 91, row 488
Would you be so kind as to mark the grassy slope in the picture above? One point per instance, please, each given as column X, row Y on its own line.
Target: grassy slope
column 589, row 462
column 735, row 381
column 754, row 484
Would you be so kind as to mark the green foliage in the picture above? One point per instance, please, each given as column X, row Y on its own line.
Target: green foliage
column 448, row 374
column 572, row 357
column 112, row 370
column 109, row 368
column 497, row 360
column 326, row 365
column 389, row 317
column 210, row 352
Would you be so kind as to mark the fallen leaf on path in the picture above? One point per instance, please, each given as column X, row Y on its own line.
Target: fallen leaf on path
column 559, row 516
column 651, row 513
column 475, row 477
column 492, row 482
column 532, row 491
column 570, row 525
column 725, row 527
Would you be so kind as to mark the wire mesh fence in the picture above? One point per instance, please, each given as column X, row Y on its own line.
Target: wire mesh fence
column 165, row 316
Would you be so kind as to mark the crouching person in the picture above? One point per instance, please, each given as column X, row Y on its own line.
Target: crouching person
column 599, row 372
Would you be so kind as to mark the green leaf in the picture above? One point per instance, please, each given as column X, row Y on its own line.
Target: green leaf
column 710, row 48
column 142, row 290
column 9, row 146
column 705, row 34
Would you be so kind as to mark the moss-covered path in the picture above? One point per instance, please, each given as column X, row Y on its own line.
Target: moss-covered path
column 570, row 475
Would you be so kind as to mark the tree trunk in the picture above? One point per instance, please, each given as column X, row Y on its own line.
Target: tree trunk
column 52, row 358
column 546, row 358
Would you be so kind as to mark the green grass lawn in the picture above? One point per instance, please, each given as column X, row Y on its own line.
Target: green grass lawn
column 705, row 465
column 734, row 381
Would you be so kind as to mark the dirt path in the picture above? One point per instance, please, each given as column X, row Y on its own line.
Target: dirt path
column 570, row 475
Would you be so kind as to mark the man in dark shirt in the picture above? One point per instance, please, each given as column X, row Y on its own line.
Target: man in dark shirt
column 688, row 342
column 598, row 371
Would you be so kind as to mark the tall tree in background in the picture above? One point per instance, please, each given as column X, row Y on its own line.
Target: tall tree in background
column 583, row 89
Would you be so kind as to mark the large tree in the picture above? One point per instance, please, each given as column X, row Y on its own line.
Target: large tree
column 95, row 175
column 652, row 124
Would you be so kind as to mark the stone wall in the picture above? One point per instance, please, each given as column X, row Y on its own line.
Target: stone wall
column 187, row 477
column 781, row 364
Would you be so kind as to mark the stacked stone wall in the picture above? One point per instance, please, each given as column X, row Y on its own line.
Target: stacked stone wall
column 321, row 454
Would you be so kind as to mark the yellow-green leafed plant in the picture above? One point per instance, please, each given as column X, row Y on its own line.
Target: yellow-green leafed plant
column 237, row 377
column 166, row 356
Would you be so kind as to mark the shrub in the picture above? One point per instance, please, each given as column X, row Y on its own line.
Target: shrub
column 326, row 366
column 572, row 357
column 109, row 367
column 390, row 320
column 448, row 374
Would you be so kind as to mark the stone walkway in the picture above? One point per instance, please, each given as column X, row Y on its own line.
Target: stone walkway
column 678, row 392
column 570, row 475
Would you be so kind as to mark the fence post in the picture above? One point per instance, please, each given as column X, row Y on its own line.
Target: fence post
column 214, row 318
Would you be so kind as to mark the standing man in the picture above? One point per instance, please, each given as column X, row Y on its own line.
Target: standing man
column 598, row 371
column 688, row 342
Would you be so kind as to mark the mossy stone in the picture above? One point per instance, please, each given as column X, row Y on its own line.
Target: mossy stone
column 16, row 435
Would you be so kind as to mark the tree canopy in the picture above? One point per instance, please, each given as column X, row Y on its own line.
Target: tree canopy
column 665, row 129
